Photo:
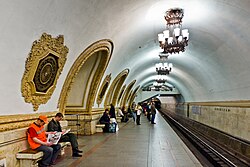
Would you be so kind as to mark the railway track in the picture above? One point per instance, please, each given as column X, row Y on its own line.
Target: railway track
column 213, row 153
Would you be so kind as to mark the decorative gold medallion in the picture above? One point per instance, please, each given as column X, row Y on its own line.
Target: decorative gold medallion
column 42, row 69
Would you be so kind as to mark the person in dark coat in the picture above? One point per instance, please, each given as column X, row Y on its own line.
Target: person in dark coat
column 148, row 110
column 112, row 111
column 153, row 112
column 54, row 125
column 105, row 119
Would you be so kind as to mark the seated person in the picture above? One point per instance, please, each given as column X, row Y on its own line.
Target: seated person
column 54, row 125
column 105, row 120
column 120, row 114
column 38, row 141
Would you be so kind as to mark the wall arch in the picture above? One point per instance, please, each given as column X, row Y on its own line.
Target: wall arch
column 131, row 99
column 103, row 49
column 115, row 88
column 126, row 93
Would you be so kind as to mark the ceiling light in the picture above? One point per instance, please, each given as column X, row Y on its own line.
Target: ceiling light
column 174, row 39
column 163, row 68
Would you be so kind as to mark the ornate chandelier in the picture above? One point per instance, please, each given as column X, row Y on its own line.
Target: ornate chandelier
column 174, row 39
column 163, row 68
column 160, row 79
column 157, row 85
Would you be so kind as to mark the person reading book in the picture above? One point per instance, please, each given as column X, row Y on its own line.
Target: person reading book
column 54, row 126
column 37, row 140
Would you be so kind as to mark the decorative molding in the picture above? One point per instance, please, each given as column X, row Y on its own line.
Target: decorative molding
column 102, row 45
column 103, row 89
column 126, row 93
column 11, row 122
column 43, row 67
column 129, row 96
column 73, row 111
column 121, row 93
column 240, row 103
column 133, row 95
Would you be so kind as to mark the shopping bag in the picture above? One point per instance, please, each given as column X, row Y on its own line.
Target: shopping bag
column 112, row 127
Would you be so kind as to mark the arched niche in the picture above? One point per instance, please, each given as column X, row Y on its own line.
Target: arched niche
column 120, row 94
column 132, row 97
column 115, row 88
column 84, row 77
column 103, row 89
column 126, row 93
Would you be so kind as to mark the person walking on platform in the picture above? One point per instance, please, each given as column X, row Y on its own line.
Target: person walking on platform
column 38, row 141
column 55, row 126
column 138, row 113
column 153, row 112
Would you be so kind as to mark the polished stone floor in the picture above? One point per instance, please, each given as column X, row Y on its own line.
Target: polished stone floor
column 144, row 145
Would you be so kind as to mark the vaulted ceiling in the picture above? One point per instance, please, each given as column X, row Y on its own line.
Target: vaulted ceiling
column 214, row 66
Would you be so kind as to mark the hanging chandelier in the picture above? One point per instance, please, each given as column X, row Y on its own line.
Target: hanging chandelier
column 163, row 56
column 163, row 68
column 157, row 85
column 160, row 79
column 174, row 39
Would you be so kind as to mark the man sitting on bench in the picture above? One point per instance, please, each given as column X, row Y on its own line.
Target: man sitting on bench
column 38, row 141
column 54, row 125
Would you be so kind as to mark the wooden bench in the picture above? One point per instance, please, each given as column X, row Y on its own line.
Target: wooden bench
column 30, row 158
column 99, row 127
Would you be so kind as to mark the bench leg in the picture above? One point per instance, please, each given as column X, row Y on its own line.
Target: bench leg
column 62, row 151
column 99, row 130
column 28, row 163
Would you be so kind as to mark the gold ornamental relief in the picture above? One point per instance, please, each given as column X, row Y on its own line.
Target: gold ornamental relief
column 43, row 67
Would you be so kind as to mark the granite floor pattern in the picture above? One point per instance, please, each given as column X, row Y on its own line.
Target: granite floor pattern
column 144, row 145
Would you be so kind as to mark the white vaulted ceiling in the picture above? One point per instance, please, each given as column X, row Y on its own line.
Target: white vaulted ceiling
column 214, row 66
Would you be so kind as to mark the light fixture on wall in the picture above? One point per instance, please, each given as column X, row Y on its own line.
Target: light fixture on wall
column 163, row 68
column 174, row 39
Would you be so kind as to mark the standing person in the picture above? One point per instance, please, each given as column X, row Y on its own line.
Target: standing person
column 54, row 125
column 148, row 109
column 112, row 111
column 138, row 113
column 133, row 110
column 105, row 120
column 153, row 112
column 38, row 141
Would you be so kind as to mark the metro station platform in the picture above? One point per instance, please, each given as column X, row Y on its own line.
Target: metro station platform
column 144, row 145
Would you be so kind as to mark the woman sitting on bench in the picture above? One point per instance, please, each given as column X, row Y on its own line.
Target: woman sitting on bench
column 105, row 119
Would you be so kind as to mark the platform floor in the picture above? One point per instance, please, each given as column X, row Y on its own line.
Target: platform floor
column 144, row 145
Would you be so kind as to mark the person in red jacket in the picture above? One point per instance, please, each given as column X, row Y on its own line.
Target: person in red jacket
column 38, row 141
